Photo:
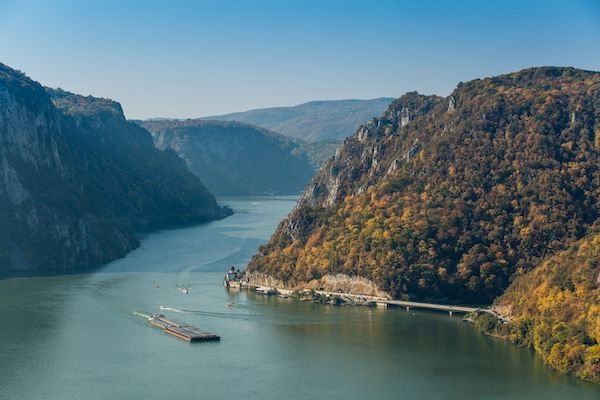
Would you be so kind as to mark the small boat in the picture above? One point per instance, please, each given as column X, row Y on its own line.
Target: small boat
column 184, row 290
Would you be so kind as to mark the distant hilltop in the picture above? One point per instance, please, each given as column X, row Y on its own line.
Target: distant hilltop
column 315, row 121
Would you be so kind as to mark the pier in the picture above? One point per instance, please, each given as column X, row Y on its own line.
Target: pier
column 431, row 306
column 185, row 332
column 385, row 303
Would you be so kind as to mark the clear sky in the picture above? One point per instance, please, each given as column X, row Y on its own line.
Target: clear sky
column 196, row 58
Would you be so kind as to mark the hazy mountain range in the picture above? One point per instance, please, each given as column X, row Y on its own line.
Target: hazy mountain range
column 264, row 151
column 233, row 158
column 315, row 121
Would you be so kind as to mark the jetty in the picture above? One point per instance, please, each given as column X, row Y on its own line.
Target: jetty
column 182, row 331
column 431, row 306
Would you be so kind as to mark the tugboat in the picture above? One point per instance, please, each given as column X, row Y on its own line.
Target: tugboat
column 233, row 278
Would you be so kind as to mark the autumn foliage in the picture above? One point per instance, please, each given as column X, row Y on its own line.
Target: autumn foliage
column 449, row 206
column 453, row 199
column 555, row 309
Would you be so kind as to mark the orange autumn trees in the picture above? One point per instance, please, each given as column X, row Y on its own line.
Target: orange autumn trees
column 555, row 309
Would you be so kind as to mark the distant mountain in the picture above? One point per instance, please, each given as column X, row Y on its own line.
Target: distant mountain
column 315, row 121
column 317, row 152
column 233, row 158
column 76, row 179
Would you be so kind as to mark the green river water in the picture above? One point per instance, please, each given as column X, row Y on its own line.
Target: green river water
column 85, row 336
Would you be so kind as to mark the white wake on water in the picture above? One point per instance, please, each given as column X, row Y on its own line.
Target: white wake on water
column 173, row 309
column 205, row 313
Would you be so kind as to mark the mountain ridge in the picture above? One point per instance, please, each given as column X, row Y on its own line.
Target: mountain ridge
column 463, row 199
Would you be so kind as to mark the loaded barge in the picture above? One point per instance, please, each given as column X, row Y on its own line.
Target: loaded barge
column 185, row 332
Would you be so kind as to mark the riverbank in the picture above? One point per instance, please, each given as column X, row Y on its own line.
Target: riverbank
column 322, row 296
column 490, row 320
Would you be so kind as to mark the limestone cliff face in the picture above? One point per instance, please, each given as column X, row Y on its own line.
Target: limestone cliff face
column 76, row 179
column 40, row 230
column 375, row 150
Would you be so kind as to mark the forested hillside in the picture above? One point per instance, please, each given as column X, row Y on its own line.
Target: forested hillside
column 555, row 309
column 446, row 199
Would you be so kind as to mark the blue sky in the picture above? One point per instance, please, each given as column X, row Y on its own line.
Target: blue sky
column 196, row 58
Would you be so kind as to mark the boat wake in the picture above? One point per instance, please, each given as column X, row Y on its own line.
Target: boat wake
column 141, row 314
column 221, row 314
column 205, row 313
column 184, row 290
column 173, row 309
column 215, row 263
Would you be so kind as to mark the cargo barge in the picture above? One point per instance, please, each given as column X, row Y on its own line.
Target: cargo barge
column 185, row 332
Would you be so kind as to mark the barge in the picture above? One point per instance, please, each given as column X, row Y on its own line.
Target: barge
column 185, row 332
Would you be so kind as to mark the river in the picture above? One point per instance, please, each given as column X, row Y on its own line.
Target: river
column 85, row 336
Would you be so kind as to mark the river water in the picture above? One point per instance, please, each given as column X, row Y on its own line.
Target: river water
column 85, row 336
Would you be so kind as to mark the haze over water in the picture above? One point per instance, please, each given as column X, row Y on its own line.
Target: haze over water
column 85, row 336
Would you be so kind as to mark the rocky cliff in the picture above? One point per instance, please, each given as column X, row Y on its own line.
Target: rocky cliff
column 233, row 158
column 76, row 179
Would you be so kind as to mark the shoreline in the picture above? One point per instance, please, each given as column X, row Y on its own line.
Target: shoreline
column 342, row 298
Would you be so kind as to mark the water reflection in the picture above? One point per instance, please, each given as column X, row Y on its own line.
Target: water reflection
column 84, row 336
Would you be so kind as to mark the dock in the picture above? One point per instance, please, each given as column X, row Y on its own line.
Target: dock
column 431, row 306
column 182, row 331
column 386, row 302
